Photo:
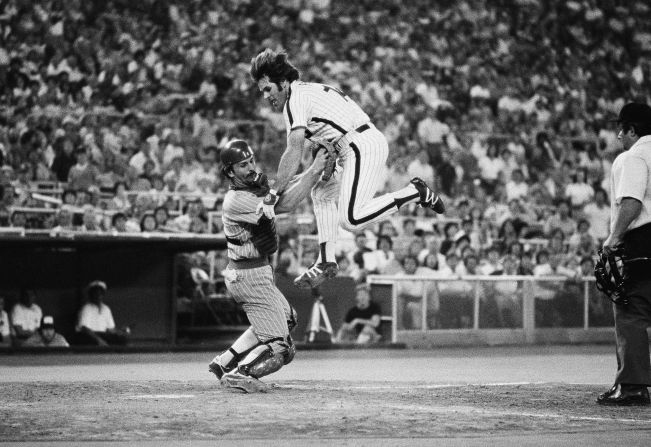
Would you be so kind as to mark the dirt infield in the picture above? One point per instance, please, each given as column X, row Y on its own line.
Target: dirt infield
column 122, row 411
column 83, row 406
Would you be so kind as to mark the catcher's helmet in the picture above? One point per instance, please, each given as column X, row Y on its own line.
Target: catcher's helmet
column 234, row 152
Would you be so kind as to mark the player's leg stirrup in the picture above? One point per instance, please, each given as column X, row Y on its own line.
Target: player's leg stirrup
column 316, row 274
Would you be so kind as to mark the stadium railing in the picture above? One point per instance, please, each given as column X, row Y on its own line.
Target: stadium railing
column 476, row 304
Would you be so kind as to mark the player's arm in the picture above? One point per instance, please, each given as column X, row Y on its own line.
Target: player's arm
column 289, row 163
column 631, row 190
column 301, row 185
column 629, row 209
column 291, row 159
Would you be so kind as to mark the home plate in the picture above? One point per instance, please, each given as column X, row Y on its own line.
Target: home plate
column 161, row 396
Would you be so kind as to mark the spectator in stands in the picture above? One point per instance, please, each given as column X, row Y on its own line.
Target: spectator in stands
column 25, row 316
column 597, row 213
column 83, row 174
column 90, row 221
column 64, row 219
column 162, row 217
column 120, row 201
column 562, row 219
column 148, row 222
column 360, row 249
column 450, row 231
column 504, row 298
column 348, row 269
column 95, row 325
column 579, row 192
column 383, row 259
column 492, row 262
column 362, row 321
column 46, row 336
column 64, row 159
column 516, row 188
column 18, row 219
column 190, row 218
column 410, row 294
column 144, row 155
column 5, row 326
column 69, row 197
column 119, row 222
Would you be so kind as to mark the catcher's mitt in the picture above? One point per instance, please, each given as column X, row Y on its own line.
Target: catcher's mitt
column 610, row 273
column 329, row 169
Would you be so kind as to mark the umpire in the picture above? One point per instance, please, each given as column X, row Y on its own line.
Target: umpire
column 630, row 226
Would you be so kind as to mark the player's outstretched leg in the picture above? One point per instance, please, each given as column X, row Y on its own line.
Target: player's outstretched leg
column 428, row 199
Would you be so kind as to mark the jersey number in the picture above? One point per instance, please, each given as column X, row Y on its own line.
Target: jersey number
column 327, row 89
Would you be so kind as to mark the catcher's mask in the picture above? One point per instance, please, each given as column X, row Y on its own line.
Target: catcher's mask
column 610, row 274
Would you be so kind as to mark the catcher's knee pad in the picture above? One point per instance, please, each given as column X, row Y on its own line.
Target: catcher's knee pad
column 292, row 320
column 291, row 351
column 265, row 359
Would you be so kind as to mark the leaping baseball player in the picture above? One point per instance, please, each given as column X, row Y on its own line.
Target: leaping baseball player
column 324, row 114
column 251, row 239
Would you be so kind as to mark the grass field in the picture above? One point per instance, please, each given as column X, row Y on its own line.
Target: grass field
column 484, row 396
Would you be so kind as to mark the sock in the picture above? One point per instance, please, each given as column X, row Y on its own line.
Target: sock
column 245, row 342
column 326, row 252
column 405, row 195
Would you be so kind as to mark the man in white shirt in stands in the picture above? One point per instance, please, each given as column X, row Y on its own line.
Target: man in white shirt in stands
column 96, row 325
column 25, row 316
column 5, row 329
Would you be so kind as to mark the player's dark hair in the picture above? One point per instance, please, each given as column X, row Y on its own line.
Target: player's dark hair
column 640, row 129
column 275, row 65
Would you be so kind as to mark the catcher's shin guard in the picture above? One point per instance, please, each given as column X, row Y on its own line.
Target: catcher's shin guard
column 261, row 362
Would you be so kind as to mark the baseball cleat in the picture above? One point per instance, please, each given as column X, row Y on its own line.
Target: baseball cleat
column 316, row 274
column 625, row 396
column 237, row 380
column 427, row 197
column 217, row 369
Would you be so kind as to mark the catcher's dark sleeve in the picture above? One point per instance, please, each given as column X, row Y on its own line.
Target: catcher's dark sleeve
column 264, row 236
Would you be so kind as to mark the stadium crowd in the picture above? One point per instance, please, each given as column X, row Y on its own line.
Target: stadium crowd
column 113, row 115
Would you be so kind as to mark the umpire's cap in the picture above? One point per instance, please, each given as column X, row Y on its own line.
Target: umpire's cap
column 234, row 152
column 634, row 113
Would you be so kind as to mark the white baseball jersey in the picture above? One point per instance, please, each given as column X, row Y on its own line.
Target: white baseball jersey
column 630, row 178
column 324, row 111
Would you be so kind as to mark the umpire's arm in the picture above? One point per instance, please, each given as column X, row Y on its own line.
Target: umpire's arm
column 302, row 184
column 629, row 209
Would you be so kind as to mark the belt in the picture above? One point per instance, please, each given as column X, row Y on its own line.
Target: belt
column 248, row 263
column 345, row 139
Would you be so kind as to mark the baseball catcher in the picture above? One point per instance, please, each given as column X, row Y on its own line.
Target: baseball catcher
column 251, row 239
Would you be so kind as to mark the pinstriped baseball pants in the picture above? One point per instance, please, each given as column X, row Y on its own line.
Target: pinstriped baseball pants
column 265, row 306
column 364, row 157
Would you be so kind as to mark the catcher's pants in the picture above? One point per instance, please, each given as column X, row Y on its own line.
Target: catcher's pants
column 265, row 306
column 631, row 323
column 363, row 156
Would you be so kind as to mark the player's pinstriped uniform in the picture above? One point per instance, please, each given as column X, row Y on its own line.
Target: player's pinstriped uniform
column 326, row 113
column 249, row 276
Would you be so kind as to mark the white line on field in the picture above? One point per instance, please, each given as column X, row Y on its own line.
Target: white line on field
column 404, row 387
column 474, row 410
column 161, row 396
